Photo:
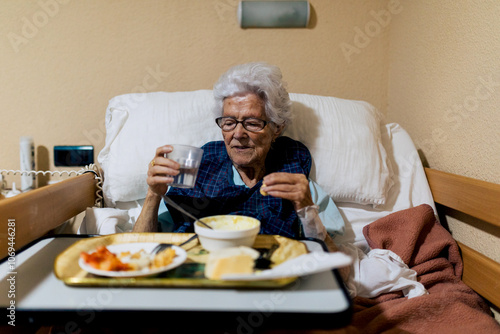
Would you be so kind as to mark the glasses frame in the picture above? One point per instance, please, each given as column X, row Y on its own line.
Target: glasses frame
column 219, row 119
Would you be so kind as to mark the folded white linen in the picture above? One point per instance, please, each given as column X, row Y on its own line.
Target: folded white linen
column 380, row 271
column 108, row 221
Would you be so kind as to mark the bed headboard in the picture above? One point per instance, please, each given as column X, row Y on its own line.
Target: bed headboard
column 481, row 200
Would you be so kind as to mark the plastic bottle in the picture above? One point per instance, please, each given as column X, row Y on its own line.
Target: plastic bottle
column 27, row 155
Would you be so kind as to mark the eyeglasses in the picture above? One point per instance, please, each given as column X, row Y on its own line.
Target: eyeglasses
column 251, row 124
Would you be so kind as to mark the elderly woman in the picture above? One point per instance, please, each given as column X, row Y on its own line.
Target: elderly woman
column 254, row 171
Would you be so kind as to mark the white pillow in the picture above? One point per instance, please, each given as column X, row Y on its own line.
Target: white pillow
column 137, row 124
column 350, row 163
column 349, row 159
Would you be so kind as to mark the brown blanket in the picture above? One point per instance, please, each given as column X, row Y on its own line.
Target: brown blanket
column 426, row 247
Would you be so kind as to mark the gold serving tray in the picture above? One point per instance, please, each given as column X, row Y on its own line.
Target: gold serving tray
column 189, row 274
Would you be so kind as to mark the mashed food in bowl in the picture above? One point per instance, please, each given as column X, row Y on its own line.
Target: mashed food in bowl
column 232, row 223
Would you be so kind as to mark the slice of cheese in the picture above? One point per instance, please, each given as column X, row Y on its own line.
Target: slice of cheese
column 235, row 260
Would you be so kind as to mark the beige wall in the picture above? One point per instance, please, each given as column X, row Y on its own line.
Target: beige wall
column 62, row 63
column 444, row 89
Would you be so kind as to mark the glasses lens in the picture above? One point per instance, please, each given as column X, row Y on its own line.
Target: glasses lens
column 254, row 124
column 250, row 124
column 226, row 123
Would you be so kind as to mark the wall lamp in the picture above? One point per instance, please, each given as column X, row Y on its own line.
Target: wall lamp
column 274, row 14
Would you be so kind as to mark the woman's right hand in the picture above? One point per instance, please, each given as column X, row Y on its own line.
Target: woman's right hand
column 161, row 171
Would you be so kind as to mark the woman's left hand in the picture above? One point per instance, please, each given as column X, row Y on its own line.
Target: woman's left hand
column 290, row 186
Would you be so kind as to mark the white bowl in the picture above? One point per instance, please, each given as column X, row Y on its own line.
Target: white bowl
column 228, row 231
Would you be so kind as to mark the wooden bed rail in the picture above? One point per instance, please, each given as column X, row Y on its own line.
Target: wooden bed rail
column 481, row 200
column 476, row 198
column 36, row 212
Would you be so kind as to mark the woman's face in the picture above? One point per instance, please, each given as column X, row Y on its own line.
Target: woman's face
column 248, row 149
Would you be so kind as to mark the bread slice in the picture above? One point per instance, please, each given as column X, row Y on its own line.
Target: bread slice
column 234, row 260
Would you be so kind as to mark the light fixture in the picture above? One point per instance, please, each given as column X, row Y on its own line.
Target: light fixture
column 273, row 14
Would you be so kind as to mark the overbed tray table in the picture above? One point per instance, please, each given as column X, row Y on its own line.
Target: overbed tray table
column 40, row 298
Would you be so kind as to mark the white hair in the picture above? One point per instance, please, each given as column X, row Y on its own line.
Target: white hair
column 261, row 79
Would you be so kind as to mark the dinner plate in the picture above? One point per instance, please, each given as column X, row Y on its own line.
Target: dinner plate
column 180, row 257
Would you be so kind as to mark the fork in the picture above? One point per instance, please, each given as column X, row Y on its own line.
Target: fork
column 163, row 246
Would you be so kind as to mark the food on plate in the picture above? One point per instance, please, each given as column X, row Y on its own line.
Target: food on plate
column 262, row 192
column 235, row 260
column 164, row 258
column 229, row 222
column 103, row 259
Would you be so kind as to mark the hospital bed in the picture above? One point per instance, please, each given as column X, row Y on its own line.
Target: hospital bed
column 370, row 168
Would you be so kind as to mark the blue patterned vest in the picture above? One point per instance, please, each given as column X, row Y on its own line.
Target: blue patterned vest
column 215, row 193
